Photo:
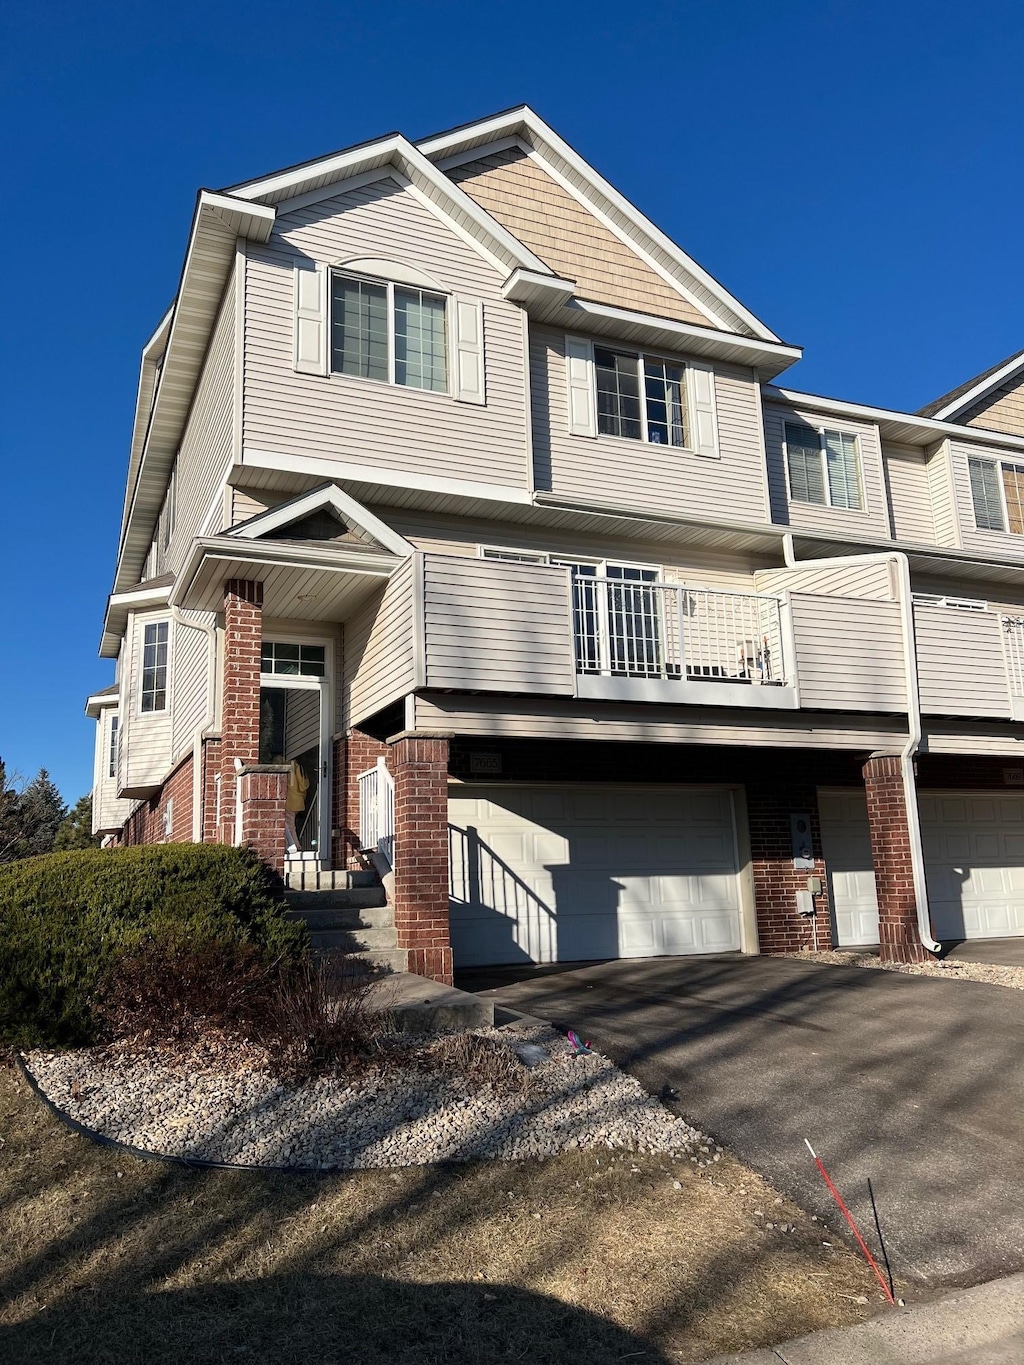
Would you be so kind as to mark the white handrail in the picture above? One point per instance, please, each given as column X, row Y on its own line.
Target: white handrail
column 377, row 811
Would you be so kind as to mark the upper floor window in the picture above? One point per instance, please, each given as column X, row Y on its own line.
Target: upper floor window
column 154, row 666
column 389, row 332
column 640, row 397
column 823, row 466
column 112, row 747
column 997, row 491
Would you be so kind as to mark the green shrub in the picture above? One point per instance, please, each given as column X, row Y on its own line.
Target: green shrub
column 67, row 920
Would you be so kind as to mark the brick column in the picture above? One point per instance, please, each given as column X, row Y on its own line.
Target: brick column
column 361, row 752
column 890, row 853
column 262, row 790
column 240, row 705
column 419, row 766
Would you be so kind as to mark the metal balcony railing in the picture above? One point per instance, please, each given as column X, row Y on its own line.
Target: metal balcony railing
column 626, row 628
column 1013, row 645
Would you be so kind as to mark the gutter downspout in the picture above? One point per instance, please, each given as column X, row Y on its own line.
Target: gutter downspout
column 913, row 743
column 202, row 729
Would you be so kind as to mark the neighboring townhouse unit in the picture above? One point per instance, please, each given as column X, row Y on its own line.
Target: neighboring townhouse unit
column 471, row 528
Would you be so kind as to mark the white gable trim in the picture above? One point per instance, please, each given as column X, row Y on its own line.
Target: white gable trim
column 975, row 394
column 593, row 190
column 328, row 496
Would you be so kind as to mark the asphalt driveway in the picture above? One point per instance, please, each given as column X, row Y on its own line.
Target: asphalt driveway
column 912, row 1083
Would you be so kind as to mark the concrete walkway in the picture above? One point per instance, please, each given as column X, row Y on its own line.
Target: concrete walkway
column 913, row 1083
column 982, row 1326
column 1001, row 952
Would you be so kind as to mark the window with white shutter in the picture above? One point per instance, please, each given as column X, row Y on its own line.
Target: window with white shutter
column 398, row 334
column 310, row 318
column 634, row 396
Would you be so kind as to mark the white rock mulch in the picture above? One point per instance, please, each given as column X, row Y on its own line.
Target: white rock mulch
column 950, row 970
column 385, row 1118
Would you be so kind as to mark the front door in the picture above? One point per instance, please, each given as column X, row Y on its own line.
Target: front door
column 295, row 729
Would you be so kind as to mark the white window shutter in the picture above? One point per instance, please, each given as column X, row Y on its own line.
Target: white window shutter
column 468, row 319
column 310, row 318
column 703, row 413
column 579, row 377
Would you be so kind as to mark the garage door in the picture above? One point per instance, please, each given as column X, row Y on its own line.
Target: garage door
column 552, row 873
column 974, row 855
column 846, row 847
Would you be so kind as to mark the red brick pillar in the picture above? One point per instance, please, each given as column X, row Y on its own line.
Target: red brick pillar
column 240, row 704
column 361, row 752
column 419, row 766
column 890, row 853
column 262, row 790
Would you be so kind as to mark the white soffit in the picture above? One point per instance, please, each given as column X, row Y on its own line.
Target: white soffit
column 591, row 189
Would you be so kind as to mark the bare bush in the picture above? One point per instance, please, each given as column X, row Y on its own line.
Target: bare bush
column 483, row 1062
column 317, row 1017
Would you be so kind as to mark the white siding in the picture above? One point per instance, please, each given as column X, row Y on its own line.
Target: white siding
column 145, row 737
column 636, row 474
column 872, row 522
column 379, row 639
column 940, row 488
column 190, row 682
column 849, row 653
column 107, row 811
column 497, row 627
column 873, row 581
column 961, row 668
column 362, row 421
column 910, row 503
column 207, row 443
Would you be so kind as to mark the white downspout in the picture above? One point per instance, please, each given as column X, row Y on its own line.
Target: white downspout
column 912, row 745
column 210, row 631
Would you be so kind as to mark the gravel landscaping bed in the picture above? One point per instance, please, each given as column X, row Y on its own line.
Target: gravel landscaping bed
column 949, row 971
column 190, row 1107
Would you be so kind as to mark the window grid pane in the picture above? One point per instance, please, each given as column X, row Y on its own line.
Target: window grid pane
column 618, row 394
column 803, row 458
column 420, row 350
column 1013, row 490
column 843, row 470
column 293, row 661
column 666, row 412
column 359, row 328
column 988, row 506
column 154, row 667
column 112, row 752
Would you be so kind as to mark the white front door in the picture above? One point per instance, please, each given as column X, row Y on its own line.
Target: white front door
column 570, row 873
column 846, row 846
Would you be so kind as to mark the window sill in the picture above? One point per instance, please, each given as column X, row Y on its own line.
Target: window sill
column 379, row 384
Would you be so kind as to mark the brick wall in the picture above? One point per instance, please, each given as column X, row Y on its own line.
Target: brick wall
column 890, row 852
column 419, row 766
column 262, row 792
column 776, row 881
column 358, row 751
column 147, row 823
column 211, row 771
column 240, row 705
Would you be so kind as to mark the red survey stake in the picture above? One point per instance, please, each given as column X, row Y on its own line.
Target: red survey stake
column 849, row 1218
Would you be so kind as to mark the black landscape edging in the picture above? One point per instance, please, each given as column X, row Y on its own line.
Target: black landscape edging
column 194, row 1163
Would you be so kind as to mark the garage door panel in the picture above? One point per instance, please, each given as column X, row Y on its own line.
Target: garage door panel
column 579, row 874
column 976, row 871
column 846, row 844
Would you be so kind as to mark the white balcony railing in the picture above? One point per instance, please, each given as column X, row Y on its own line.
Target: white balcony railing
column 377, row 811
column 626, row 628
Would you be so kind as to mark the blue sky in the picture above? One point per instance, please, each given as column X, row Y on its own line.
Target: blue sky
column 852, row 171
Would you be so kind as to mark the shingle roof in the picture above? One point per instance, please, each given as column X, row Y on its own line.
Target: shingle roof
column 930, row 409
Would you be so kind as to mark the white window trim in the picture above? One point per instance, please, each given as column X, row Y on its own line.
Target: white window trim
column 999, row 465
column 499, row 553
column 164, row 710
column 860, row 511
column 390, row 285
column 112, row 747
column 687, row 387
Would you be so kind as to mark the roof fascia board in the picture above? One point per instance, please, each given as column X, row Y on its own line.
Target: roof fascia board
column 754, row 347
column 553, row 149
column 338, row 187
column 928, row 426
column 968, row 399
column 372, row 474
column 329, row 495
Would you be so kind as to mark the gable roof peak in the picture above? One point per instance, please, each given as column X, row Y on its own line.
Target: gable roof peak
column 972, row 391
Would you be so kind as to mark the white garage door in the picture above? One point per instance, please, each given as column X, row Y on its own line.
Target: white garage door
column 551, row 873
column 974, row 855
column 846, row 846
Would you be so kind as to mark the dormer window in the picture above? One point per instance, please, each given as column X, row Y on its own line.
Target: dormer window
column 640, row 397
column 392, row 333
column 823, row 466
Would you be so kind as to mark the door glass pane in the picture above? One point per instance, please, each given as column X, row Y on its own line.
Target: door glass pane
column 618, row 394
column 585, row 617
column 634, row 638
column 359, row 328
column 420, row 351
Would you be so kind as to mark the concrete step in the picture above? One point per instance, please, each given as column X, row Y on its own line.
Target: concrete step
column 419, row 1005
column 358, row 896
column 352, row 940
column 394, row 959
column 299, row 877
column 346, row 917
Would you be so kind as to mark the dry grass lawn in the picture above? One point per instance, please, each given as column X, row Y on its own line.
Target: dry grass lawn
column 578, row 1259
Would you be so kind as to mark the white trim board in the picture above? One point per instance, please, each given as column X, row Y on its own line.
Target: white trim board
column 327, row 496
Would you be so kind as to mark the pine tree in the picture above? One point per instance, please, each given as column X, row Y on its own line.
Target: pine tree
column 41, row 812
column 10, row 824
column 76, row 831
